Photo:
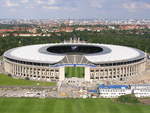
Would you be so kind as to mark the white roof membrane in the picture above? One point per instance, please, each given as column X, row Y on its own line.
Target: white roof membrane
column 115, row 54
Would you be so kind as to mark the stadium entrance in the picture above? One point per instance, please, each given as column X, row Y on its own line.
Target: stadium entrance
column 74, row 72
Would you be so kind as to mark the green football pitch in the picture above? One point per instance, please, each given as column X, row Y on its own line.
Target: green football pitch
column 74, row 72
column 33, row 105
column 9, row 81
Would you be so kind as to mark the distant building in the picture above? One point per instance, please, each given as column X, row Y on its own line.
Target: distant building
column 131, row 27
column 28, row 34
column 7, row 30
column 81, row 29
column 32, row 30
column 67, row 29
column 4, row 34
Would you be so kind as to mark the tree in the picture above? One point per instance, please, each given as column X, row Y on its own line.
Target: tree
column 130, row 98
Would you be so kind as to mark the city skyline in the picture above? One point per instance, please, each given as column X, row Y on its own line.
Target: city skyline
column 40, row 9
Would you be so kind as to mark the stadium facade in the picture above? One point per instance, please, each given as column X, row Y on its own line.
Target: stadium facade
column 47, row 62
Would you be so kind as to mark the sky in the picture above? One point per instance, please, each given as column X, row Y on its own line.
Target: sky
column 75, row 9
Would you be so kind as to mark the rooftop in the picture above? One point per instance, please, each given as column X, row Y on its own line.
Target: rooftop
column 113, row 86
column 39, row 53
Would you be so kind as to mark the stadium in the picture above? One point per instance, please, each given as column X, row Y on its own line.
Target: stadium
column 87, row 61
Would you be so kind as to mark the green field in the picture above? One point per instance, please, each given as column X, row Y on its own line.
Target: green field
column 33, row 105
column 74, row 72
column 9, row 81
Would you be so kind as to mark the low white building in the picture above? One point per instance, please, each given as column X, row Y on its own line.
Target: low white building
column 141, row 91
column 141, row 86
column 113, row 91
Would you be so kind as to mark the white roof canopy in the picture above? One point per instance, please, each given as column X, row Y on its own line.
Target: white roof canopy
column 32, row 53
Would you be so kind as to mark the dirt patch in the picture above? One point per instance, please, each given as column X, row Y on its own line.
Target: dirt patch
column 145, row 101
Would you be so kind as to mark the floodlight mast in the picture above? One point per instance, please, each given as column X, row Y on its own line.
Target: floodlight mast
column 73, row 39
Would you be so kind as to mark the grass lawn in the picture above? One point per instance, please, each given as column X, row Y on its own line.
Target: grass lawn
column 9, row 81
column 74, row 72
column 33, row 105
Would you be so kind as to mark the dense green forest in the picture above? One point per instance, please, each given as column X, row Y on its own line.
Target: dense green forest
column 141, row 41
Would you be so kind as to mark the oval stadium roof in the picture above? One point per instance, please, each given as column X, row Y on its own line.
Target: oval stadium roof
column 110, row 53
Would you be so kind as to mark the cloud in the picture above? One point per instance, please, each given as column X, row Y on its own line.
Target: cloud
column 59, row 8
column 52, row 7
column 24, row 1
column 135, row 6
column 130, row 6
column 147, row 5
column 59, row 5
column 9, row 3
column 96, row 3
column 39, row 1
column 51, row 2
column 144, row 1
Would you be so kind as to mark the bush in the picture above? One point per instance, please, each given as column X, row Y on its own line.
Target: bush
column 128, row 99
column 9, row 75
column 27, row 78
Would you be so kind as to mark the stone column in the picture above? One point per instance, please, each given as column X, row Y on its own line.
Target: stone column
column 112, row 70
column 61, row 73
column 87, row 74
column 19, row 70
column 15, row 70
column 126, row 68
column 144, row 66
column 5, row 66
column 41, row 73
column 23, row 71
